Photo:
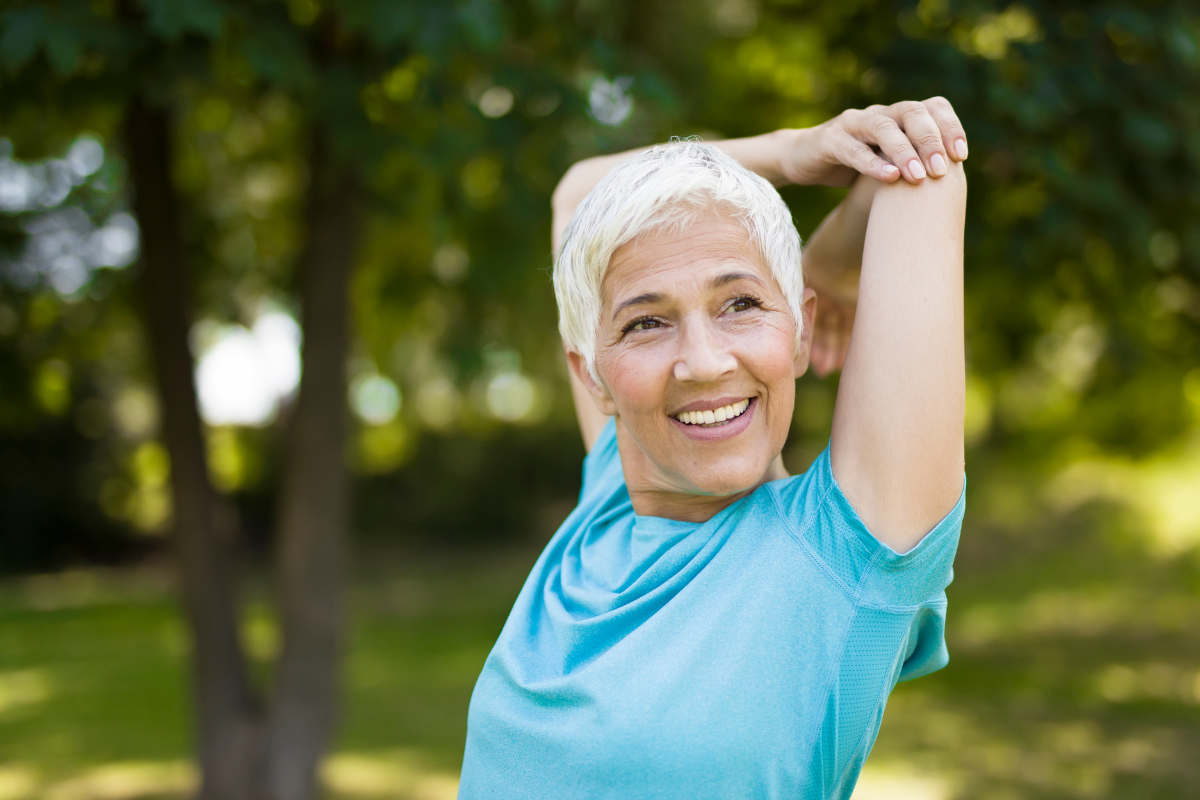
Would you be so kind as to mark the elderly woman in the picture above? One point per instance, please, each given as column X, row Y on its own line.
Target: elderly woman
column 703, row 625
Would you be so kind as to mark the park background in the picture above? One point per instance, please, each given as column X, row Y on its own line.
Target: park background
column 284, row 420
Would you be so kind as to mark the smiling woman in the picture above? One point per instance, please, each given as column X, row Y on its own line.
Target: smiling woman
column 693, row 322
column 703, row 625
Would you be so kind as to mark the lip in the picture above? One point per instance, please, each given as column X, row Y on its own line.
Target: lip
column 710, row 405
column 721, row 432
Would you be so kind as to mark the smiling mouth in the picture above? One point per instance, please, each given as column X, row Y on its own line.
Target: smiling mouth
column 716, row 417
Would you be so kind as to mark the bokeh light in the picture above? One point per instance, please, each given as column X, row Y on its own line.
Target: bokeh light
column 242, row 375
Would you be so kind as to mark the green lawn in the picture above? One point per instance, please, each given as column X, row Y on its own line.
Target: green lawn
column 1075, row 672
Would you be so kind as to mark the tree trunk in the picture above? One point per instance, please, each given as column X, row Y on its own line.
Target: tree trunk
column 205, row 524
column 314, row 501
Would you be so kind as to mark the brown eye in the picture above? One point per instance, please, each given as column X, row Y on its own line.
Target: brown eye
column 742, row 304
column 643, row 324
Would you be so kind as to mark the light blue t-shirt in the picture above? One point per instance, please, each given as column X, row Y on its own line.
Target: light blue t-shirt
column 749, row 656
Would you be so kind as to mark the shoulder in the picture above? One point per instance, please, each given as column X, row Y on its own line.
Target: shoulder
column 819, row 515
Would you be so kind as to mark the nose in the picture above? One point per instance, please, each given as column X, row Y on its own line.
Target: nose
column 703, row 356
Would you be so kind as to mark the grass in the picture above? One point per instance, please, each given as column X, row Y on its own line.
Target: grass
column 1075, row 673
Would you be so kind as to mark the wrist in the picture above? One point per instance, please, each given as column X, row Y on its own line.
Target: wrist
column 788, row 146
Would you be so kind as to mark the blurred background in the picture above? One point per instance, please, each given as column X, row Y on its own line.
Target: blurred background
column 190, row 194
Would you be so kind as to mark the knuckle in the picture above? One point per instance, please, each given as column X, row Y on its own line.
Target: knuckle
column 883, row 125
column 919, row 112
column 929, row 139
column 856, row 149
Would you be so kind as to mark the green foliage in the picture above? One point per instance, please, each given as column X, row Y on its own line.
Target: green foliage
column 1083, row 241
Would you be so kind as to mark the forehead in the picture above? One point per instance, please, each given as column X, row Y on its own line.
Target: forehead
column 678, row 259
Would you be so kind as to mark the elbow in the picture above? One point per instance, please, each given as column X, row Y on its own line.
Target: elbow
column 956, row 180
column 569, row 192
column 932, row 197
column 558, row 197
column 953, row 183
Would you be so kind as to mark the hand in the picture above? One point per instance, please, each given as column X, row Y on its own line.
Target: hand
column 909, row 139
column 832, row 324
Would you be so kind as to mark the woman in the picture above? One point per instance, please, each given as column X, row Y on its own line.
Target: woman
column 703, row 625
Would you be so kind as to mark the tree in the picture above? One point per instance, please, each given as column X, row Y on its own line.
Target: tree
column 417, row 145
column 133, row 60
column 246, row 747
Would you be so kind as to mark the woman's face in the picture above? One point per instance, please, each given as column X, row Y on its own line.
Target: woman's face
column 697, row 358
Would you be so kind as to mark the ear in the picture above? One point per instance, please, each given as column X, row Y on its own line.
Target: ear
column 808, row 308
column 600, row 396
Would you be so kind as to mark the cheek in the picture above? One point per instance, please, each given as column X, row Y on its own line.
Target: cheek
column 635, row 378
column 769, row 353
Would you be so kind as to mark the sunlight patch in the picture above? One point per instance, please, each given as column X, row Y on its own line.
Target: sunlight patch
column 127, row 780
column 1162, row 489
column 393, row 774
column 17, row 783
column 26, row 687
column 885, row 782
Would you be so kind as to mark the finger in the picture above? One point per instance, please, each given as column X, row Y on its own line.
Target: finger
column 882, row 131
column 821, row 356
column 853, row 153
column 954, row 136
column 918, row 125
column 831, row 338
column 819, row 353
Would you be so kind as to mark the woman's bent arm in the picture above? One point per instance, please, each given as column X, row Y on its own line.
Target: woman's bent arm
column 897, row 441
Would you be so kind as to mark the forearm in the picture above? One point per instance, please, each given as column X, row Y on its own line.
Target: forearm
column 833, row 254
column 897, row 431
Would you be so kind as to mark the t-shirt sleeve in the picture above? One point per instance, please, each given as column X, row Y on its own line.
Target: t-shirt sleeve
column 875, row 575
column 602, row 465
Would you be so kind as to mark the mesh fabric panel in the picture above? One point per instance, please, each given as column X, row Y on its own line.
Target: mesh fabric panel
column 875, row 644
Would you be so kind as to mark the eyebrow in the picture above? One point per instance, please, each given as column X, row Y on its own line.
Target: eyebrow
column 732, row 277
column 656, row 297
column 641, row 299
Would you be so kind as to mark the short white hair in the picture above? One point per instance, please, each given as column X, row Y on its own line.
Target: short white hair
column 668, row 185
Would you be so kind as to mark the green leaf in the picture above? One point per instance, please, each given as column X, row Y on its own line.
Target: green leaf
column 383, row 22
column 482, row 23
column 23, row 32
column 278, row 55
column 63, row 48
column 546, row 7
column 173, row 19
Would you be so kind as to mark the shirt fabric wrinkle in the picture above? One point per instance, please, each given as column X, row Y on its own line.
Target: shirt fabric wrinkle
column 747, row 656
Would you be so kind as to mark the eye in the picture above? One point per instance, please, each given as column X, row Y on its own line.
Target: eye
column 744, row 303
column 643, row 324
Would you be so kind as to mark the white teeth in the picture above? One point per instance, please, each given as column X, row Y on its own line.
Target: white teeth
column 722, row 414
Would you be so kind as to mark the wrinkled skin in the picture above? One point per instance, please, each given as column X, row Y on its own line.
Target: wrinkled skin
column 692, row 319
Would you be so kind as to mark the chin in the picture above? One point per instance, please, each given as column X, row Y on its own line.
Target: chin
column 722, row 480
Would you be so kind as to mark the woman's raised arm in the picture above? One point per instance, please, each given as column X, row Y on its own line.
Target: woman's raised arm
column 897, row 441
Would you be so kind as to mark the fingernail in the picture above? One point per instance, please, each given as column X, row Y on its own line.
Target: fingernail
column 915, row 169
column 960, row 147
column 889, row 170
column 937, row 164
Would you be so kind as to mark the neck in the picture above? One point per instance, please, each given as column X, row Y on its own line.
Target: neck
column 653, row 495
